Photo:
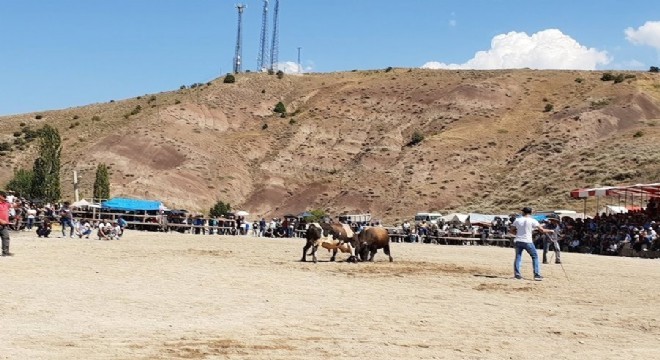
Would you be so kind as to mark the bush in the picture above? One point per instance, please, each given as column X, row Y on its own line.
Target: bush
column 417, row 137
column 579, row 80
column 548, row 107
column 229, row 79
column 177, row 102
column 638, row 134
column 292, row 121
column 96, row 118
column 619, row 78
column 280, row 74
column 136, row 110
column 182, row 87
column 280, row 108
column 264, row 127
column 389, row 68
column 607, row 77
column 5, row 146
column 75, row 117
column 22, row 124
column 38, row 116
column 654, row 69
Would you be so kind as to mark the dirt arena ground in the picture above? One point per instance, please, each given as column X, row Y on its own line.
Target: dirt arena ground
column 173, row 296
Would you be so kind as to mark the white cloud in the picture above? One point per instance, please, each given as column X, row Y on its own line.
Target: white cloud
column 647, row 34
column 291, row 67
column 452, row 23
column 547, row 49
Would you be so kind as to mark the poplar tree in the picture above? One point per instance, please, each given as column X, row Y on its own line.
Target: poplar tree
column 46, row 170
column 102, row 183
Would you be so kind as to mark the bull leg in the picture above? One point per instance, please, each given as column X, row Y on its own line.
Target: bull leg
column 386, row 250
column 307, row 246
column 352, row 258
column 334, row 254
column 372, row 254
column 314, row 248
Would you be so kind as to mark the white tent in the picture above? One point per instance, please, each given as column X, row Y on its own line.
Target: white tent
column 611, row 209
column 474, row 218
column 455, row 218
column 81, row 203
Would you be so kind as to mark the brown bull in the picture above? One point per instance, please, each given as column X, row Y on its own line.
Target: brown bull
column 370, row 240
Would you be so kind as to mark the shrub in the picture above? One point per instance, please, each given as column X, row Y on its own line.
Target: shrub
column 177, row 102
column 136, row 110
column 548, row 107
column 96, row 118
column 654, row 69
column 229, row 79
column 619, row 78
column 292, row 121
column 182, row 87
column 280, row 108
column 280, row 74
column 264, row 127
column 5, row 146
column 75, row 117
column 389, row 68
column 607, row 77
column 21, row 124
column 38, row 116
column 638, row 134
column 17, row 133
column 417, row 137
column 579, row 80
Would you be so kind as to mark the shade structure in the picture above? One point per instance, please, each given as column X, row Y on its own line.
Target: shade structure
column 125, row 204
column 646, row 190
column 241, row 213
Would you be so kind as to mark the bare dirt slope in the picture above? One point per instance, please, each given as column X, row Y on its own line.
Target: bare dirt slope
column 489, row 143
column 173, row 296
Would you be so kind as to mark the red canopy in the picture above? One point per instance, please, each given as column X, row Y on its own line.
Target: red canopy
column 648, row 190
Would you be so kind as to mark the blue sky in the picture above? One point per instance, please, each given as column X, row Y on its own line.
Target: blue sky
column 64, row 53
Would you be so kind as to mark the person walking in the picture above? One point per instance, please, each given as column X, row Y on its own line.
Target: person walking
column 552, row 238
column 523, row 228
column 66, row 219
column 4, row 223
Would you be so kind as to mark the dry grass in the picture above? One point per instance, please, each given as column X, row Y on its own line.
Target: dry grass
column 489, row 146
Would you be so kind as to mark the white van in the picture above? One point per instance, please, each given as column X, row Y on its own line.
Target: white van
column 431, row 218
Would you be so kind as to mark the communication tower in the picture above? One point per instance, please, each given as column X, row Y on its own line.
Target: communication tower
column 262, row 59
column 274, row 49
column 239, row 40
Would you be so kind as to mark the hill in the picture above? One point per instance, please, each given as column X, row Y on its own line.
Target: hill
column 492, row 141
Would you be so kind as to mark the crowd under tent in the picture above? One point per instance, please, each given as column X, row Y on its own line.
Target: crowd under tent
column 124, row 204
column 455, row 218
column 633, row 195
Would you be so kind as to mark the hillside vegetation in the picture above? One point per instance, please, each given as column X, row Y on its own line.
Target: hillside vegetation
column 392, row 142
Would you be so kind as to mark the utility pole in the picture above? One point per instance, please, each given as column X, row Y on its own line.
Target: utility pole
column 239, row 40
column 76, row 196
column 299, row 64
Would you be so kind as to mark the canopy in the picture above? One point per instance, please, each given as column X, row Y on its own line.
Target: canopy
column 241, row 213
column 81, row 203
column 474, row 218
column 131, row 204
column 648, row 190
column 455, row 218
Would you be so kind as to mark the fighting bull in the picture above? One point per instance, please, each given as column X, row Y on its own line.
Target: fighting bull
column 329, row 236
column 370, row 240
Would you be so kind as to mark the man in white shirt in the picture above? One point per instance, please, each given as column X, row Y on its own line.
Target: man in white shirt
column 523, row 227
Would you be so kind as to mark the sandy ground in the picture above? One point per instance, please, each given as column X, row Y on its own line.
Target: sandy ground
column 173, row 296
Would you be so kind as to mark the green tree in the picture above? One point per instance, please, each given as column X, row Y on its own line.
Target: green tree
column 317, row 215
column 46, row 170
column 21, row 183
column 220, row 209
column 102, row 183
column 654, row 69
column 280, row 108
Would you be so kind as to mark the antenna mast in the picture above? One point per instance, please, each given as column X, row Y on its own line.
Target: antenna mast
column 262, row 59
column 274, row 49
column 239, row 40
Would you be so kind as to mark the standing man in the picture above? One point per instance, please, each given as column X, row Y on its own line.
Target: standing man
column 523, row 227
column 66, row 219
column 4, row 223
column 552, row 237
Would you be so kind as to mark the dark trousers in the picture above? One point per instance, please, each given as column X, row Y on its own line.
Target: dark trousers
column 4, row 234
